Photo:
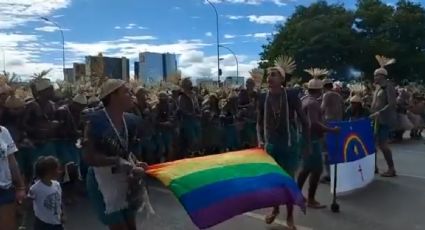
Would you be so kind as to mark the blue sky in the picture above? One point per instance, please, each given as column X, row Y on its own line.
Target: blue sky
column 126, row 27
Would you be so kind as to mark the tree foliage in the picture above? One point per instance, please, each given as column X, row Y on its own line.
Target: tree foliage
column 330, row 36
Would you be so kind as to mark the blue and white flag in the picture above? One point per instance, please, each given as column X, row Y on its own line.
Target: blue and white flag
column 353, row 151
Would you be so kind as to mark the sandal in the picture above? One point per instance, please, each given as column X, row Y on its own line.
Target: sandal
column 290, row 225
column 389, row 173
column 271, row 217
column 315, row 205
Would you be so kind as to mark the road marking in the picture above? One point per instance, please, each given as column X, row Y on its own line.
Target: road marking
column 278, row 222
column 161, row 190
column 412, row 176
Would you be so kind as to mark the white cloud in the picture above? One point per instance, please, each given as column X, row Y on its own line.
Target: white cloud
column 10, row 40
column 196, row 64
column 252, row 2
column 259, row 19
column 266, row 19
column 131, row 49
column 138, row 38
column 229, row 36
column 18, row 12
column 190, row 57
column 131, row 26
column 23, row 53
column 235, row 17
column 261, row 35
column 49, row 29
column 208, row 34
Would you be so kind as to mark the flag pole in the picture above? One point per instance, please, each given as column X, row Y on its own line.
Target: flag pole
column 335, row 205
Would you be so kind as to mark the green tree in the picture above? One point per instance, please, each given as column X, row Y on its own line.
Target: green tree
column 374, row 22
column 408, row 32
column 319, row 35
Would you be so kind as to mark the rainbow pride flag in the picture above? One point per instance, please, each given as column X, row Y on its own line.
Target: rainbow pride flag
column 215, row 188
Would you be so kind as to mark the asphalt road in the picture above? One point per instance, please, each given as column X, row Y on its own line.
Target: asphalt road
column 387, row 204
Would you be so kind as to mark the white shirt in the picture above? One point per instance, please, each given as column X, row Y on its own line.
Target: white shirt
column 7, row 147
column 47, row 201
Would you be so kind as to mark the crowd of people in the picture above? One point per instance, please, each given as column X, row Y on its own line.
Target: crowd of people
column 101, row 137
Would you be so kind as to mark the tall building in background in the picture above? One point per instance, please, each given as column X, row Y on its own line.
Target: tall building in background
column 74, row 74
column 169, row 62
column 117, row 68
column 234, row 81
column 79, row 70
column 69, row 75
column 156, row 67
column 136, row 70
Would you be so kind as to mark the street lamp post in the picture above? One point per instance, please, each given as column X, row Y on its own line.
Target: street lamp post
column 63, row 42
column 218, row 40
column 236, row 58
column 4, row 60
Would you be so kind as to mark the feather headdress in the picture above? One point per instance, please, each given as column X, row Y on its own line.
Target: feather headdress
column 357, row 88
column 316, row 73
column 383, row 61
column 357, row 92
column 286, row 63
column 257, row 75
column 134, row 84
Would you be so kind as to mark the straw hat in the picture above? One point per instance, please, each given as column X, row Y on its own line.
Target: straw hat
column 383, row 61
column 42, row 84
column 316, row 83
column 109, row 86
column 327, row 81
column 162, row 95
column 356, row 99
column 80, row 99
column 141, row 89
column 93, row 99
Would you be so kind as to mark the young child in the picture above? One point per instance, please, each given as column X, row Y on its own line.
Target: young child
column 46, row 194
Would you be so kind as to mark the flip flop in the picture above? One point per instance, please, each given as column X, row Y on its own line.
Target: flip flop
column 271, row 218
column 316, row 205
column 389, row 174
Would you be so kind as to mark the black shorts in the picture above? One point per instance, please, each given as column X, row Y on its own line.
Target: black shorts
column 7, row 196
column 40, row 225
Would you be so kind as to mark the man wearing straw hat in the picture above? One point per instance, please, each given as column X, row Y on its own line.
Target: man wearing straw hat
column 189, row 113
column 276, row 125
column 39, row 119
column 109, row 138
column 333, row 110
column 70, row 130
column 356, row 110
column 384, row 112
column 313, row 164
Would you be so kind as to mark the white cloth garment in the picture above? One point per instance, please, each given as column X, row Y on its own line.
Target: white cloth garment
column 7, row 147
column 47, row 201
column 114, row 188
